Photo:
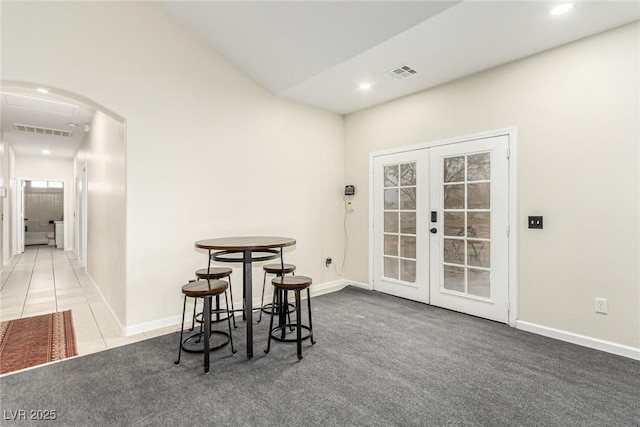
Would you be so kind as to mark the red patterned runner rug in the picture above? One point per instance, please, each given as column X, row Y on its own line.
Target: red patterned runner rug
column 36, row 340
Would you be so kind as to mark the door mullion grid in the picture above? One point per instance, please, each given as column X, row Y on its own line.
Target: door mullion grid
column 466, row 225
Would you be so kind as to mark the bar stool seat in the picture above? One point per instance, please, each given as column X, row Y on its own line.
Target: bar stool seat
column 216, row 273
column 276, row 268
column 205, row 289
column 291, row 283
column 282, row 285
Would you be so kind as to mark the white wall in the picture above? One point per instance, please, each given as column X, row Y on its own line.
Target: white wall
column 31, row 168
column 577, row 113
column 103, row 154
column 208, row 151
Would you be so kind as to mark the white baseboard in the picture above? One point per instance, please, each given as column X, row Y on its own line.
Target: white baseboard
column 583, row 340
column 152, row 325
column 327, row 287
column 360, row 285
column 121, row 327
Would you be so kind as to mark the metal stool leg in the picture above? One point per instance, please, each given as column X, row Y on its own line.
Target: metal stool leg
column 225, row 295
column 310, row 323
column 184, row 308
column 298, row 323
column 273, row 304
column 244, row 302
column 264, row 281
column 284, row 305
column 193, row 318
column 201, row 323
column 206, row 317
column 233, row 351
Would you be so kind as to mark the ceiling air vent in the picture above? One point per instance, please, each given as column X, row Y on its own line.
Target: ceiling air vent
column 401, row 72
column 41, row 130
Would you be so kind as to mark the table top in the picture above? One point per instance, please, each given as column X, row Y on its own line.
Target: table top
column 245, row 243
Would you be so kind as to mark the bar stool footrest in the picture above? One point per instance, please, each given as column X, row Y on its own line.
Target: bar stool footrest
column 198, row 318
column 198, row 346
column 291, row 308
column 292, row 328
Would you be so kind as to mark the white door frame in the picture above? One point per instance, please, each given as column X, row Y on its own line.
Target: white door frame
column 511, row 133
column 18, row 224
column 18, row 217
column 81, row 216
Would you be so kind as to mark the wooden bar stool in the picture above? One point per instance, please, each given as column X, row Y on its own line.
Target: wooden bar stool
column 215, row 273
column 205, row 289
column 282, row 285
column 276, row 269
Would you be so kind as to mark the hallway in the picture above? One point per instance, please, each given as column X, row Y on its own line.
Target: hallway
column 45, row 280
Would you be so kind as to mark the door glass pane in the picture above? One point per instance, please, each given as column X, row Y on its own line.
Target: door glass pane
column 454, row 169
column 478, row 196
column 391, row 176
column 478, row 253
column 391, row 222
column 408, row 247
column 391, row 244
column 467, row 224
column 479, row 283
column 479, row 167
column 454, row 223
column 454, row 251
column 400, row 221
column 454, row 278
column 408, row 222
column 391, row 198
column 408, row 198
column 479, row 224
column 454, row 196
column 391, row 267
column 408, row 271
column 408, row 174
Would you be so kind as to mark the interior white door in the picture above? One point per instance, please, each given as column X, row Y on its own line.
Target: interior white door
column 400, row 237
column 469, row 245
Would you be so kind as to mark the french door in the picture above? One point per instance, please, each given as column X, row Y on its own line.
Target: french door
column 440, row 226
column 401, row 196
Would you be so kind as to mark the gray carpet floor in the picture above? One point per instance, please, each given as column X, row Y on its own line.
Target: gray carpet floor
column 378, row 361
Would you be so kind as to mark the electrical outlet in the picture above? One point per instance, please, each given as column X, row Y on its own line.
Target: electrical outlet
column 601, row 305
column 327, row 262
column 535, row 222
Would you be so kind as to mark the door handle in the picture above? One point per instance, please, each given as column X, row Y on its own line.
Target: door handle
column 434, row 230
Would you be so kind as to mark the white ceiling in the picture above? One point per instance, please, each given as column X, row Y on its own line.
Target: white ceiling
column 318, row 52
column 51, row 114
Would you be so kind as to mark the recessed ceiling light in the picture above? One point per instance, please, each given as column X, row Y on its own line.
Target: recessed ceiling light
column 560, row 9
column 73, row 125
column 364, row 86
column 42, row 90
column 46, row 152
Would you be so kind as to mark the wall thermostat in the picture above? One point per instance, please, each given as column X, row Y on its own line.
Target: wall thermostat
column 349, row 190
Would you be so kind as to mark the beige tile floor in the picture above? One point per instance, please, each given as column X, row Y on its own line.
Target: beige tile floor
column 45, row 280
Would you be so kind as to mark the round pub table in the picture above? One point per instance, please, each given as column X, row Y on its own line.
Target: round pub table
column 245, row 249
